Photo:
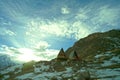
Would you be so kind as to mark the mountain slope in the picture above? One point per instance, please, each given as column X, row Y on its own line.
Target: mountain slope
column 96, row 43
column 101, row 54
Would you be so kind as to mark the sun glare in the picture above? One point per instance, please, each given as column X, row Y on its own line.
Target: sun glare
column 27, row 55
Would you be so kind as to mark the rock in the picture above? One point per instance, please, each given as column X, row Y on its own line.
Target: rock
column 84, row 75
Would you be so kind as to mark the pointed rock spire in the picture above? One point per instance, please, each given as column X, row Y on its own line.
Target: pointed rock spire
column 73, row 56
column 61, row 54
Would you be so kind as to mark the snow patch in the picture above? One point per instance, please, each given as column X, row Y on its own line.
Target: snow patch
column 108, row 72
column 11, row 69
column 29, row 75
column 115, row 58
column 6, row 77
column 41, row 68
column 107, row 63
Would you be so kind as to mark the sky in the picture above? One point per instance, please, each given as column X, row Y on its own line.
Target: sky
column 38, row 29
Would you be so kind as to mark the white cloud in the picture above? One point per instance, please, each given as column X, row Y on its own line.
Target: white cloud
column 11, row 33
column 28, row 54
column 98, row 17
column 82, row 14
column 65, row 10
column 60, row 28
column 38, row 31
column 42, row 46
column 107, row 15
column 43, row 28
column 4, row 31
column 81, row 29
column 48, row 54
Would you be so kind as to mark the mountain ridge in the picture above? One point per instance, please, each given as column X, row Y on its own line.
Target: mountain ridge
column 99, row 59
column 96, row 43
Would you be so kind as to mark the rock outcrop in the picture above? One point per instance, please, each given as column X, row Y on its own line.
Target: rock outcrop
column 95, row 44
column 61, row 55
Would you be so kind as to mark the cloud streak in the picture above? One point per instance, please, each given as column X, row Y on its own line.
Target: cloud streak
column 107, row 15
column 27, row 54
column 5, row 31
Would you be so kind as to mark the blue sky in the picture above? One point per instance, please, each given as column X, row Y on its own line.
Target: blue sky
column 41, row 26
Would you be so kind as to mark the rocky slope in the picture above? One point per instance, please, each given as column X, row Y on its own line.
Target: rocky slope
column 96, row 43
column 46, row 70
column 99, row 55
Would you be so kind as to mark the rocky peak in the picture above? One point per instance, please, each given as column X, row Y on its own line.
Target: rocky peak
column 96, row 43
column 61, row 55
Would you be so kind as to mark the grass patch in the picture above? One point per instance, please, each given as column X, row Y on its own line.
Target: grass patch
column 28, row 67
column 1, row 76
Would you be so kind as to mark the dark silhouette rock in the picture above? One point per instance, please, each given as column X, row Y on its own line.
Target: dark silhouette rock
column 73, row 56
column 61, row 55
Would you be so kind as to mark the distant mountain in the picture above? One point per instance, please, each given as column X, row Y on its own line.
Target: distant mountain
column 5, row 61
column 95, row 57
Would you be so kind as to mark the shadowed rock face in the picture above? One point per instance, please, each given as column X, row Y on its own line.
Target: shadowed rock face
column 72, row 56
column 61, row 55
column 96, row 43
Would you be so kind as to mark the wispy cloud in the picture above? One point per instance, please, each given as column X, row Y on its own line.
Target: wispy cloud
column 41, row 46
column 80, row 29
column 65, row 10
column 99, row 17
column 82, row 14
column 4, row 31
column 107, row 15
column 60, row 28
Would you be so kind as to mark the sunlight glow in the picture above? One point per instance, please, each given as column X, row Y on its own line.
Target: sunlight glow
column 27, row 55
